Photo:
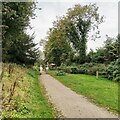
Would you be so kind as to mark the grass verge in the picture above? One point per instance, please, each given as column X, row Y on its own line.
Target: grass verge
column 27, row 100
column 101, row 91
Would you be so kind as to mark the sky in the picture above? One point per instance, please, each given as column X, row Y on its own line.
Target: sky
column 52, row 8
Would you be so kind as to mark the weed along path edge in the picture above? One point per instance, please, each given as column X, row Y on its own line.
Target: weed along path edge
column 70, row 103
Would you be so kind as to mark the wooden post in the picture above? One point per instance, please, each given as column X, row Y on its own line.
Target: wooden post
column 97, row 74
column 12, row 89
column 2, row 72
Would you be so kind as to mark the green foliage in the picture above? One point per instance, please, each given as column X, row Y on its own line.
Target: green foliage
column 110, row 50
column 82, row 69
column 106, row 54
column 57, row 49
column 68, row 37
column 73, row 70
column 113, row 71
column 68, row 69
column 81, row 20
column 28, row 100
column 110, row 71
column 87, row 68
column 60, row 73
column 24, row 50
column 17, row 46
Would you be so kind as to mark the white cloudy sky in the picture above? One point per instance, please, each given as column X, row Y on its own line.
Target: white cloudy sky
column 53, row 8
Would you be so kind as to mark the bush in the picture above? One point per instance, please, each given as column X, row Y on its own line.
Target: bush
column 103, row 74
column 113, row 71
column 74, row 70
column 91, row 72
column 110, row 71
column 60, row 73
column 82, row 70
column 67, row 70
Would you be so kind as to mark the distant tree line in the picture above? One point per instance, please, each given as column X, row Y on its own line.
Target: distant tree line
column 17, row 45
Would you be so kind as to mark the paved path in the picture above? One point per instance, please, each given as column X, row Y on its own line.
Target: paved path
column 69, row 103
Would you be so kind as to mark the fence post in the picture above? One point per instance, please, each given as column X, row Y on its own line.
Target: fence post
column 97, row 74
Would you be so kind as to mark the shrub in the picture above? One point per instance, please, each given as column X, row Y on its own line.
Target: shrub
column 74, row 70
column 103, row 74
column 67, row 70
column 113, row 71
column 60, row 73
column 91, row 72
column 110, row 71
column 82, row 69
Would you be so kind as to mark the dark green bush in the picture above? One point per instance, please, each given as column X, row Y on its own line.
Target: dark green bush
column 110, row 71
column 82, row 70
column 74, row 70
column 68, row 69
column 60, row 73
column 113, row 71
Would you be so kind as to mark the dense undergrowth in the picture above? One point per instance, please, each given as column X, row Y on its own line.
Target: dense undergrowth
column 110, row 71
column 22, row 94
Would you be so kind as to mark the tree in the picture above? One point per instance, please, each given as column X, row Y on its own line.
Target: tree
column 111, row 52
column 99, row 56
column 82, row 20
column 107, row 53
column 90, row 56
column 56, row 47
column 75, row 26
column 17, row 46
column 24, row 50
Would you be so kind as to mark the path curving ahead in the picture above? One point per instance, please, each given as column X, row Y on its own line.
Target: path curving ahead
column 70, row 103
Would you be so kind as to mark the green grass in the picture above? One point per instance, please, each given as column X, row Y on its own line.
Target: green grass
column 101, row 91
column 29, row 100
column 39, row 104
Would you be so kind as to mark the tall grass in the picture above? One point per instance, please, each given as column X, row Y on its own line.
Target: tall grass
column 27, row 99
